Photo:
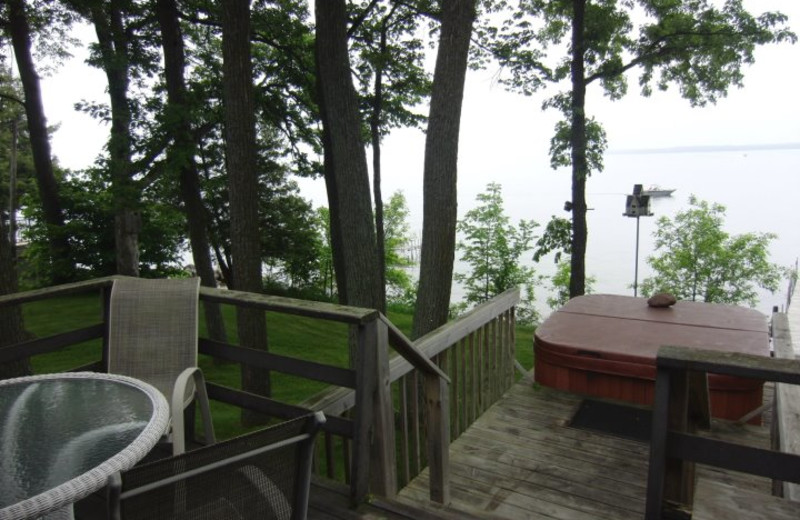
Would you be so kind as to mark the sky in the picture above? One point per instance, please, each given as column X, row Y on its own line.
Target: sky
column 505, row 137
column 763, row 112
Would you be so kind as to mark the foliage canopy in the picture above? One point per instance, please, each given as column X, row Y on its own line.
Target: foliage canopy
column 493, row 247
column 698, row 260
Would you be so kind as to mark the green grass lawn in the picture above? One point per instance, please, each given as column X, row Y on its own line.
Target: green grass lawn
column 294, row 336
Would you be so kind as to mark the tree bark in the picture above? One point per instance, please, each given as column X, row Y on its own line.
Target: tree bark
column 62, row 268
column 346, row 172
column 577, row 280
column 113, row 40
column 181, row 157
column 375, row 134
column 441, row 172
column 240, row 148
column 11, row 325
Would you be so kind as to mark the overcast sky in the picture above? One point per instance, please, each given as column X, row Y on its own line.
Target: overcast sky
column 505, row 137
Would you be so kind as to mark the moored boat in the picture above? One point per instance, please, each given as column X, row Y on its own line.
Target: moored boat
column 657, row 191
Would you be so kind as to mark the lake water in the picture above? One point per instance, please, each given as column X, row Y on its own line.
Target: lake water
column 759, row 188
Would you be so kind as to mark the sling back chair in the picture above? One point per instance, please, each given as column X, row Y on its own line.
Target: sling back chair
column 153, row 337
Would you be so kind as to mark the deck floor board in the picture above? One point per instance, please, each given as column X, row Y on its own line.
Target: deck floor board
column 521, row 460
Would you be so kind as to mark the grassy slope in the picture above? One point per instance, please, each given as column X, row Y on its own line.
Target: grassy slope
column 291, row 335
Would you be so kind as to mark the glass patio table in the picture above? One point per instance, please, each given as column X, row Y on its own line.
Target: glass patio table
column 62, row 436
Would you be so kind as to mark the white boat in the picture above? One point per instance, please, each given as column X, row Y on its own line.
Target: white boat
column 657, row 191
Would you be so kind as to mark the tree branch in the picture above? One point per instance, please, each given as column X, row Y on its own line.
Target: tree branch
column 651, row 51
column 9, row 97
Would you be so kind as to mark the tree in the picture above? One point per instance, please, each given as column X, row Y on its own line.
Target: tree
column 557, row 237
column 346, row 174
column 16, row 23
column 397, row 249
column 290, row 242
column 118, row 51
column 493, row 248
column 441, row 167
column 691, row 44
column 12, row 328
column 388, row 61
column 11, row 320
column 181, row 155
column 90, row 223
column 241, row 156
column 326, row 278
column 701, row 261
column 559, row 284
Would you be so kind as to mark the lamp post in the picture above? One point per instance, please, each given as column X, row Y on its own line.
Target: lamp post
column 637, row 205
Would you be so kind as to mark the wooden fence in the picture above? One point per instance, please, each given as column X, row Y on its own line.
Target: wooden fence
column 681, row 407
column 388, row 417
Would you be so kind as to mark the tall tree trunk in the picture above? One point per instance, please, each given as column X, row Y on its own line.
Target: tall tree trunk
column 60, row 255
column 375, row 134
column 346, row 172
column 181, row 157
column 12, row 187
column 240, row 151
column 112, row 37
column 577, row 280
column 441, row 173
column 11, row 324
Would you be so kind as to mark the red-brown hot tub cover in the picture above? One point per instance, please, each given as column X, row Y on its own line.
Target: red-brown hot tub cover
column 596, row 342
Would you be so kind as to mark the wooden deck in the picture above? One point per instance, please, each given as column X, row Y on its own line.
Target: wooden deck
column 329, row 501
column 521, row 460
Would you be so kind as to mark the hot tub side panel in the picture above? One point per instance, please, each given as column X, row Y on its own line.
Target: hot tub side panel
column 593, row 375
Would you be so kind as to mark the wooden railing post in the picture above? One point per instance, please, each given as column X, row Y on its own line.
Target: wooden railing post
column 105, row 304
column 374, row 457
column 786, row 414
column 383, row 470
column 671, row 480
column 437, row 397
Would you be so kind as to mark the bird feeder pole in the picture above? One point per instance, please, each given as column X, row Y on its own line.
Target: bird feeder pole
column 637, row 205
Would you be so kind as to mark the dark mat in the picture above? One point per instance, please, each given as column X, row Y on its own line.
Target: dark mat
column 629, row 422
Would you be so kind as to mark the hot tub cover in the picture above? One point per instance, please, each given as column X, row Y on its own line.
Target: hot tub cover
column 621, row 335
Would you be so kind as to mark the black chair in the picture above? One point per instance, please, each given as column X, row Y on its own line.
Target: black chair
column 264, row 474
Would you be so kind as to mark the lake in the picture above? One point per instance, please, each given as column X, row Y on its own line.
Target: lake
column 759, row 188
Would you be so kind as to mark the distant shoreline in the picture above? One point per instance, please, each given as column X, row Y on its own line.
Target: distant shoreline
column 707, row 149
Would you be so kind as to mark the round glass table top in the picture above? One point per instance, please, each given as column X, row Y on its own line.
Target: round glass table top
column 55, row 429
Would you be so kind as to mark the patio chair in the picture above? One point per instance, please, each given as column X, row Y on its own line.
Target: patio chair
column 152, row 336
column 265, row 474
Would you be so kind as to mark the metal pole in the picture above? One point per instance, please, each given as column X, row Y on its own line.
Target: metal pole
column 636, row 263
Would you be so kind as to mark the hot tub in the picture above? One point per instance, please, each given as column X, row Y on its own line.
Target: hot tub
column 605, row 346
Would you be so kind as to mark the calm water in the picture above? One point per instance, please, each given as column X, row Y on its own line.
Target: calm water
column 760, row 190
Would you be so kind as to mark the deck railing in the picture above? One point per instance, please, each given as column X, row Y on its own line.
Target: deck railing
column 407, row 407
column 477, row 352
column 681, row 406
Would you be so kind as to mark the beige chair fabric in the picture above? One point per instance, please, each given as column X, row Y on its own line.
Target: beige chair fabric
column 153, row 337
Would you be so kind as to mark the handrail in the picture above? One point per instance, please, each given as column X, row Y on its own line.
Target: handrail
column 320, row 310
column 411, row 353
column 786, row 430
column 430, row 345
column 56, row 290
column 369, row 387
column 439, row 339
column 674, row 449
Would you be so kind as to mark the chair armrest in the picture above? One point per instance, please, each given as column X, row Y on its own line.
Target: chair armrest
column 179, row 403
